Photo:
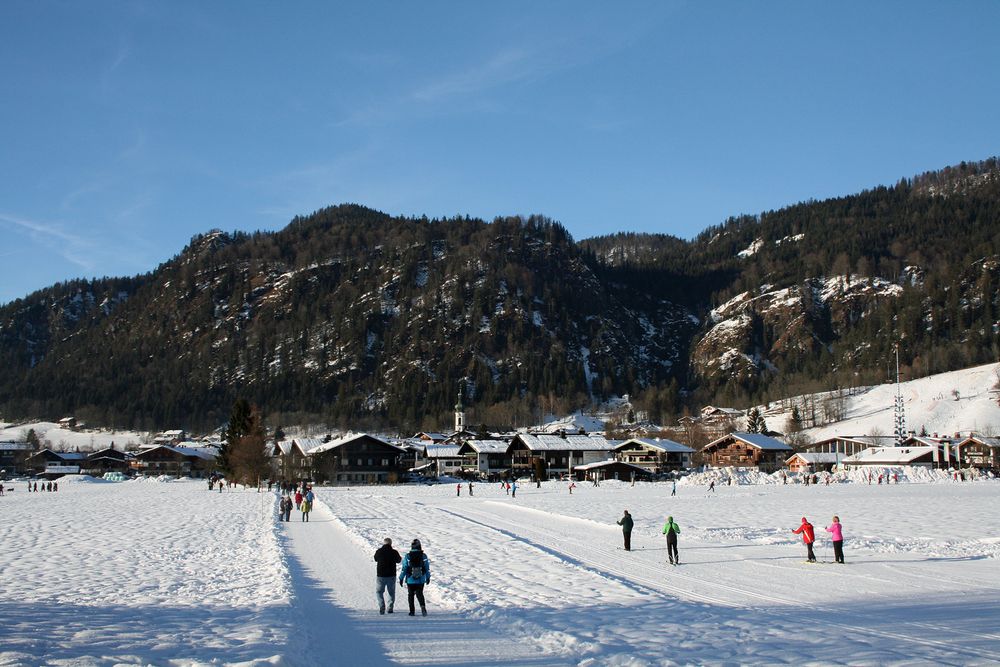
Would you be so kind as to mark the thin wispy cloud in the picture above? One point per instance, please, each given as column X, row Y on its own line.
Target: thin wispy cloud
column 65, row 244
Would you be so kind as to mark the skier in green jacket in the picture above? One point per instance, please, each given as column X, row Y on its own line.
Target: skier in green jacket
column 626, row 523
column 672, row 530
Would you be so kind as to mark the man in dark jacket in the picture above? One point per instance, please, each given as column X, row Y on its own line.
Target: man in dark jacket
column 416, row 572
column 626, row 523
column 385, row 574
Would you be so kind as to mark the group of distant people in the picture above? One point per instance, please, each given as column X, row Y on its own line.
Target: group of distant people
column 671, row 531
column 303, row 501
column 46, row 486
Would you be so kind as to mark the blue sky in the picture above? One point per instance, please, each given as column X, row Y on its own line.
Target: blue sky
column 127, row 128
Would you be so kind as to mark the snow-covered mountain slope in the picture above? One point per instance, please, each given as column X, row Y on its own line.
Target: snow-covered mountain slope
column 956, row 402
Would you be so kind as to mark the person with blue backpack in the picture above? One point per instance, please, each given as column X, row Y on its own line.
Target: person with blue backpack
column 416, row 572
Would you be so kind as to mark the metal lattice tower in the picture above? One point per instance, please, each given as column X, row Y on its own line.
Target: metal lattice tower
column 900, row 412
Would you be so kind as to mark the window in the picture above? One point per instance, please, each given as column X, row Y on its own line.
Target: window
column 385, row 462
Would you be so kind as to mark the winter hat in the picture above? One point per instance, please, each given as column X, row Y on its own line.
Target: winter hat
column 804, row 520
column 415, row 545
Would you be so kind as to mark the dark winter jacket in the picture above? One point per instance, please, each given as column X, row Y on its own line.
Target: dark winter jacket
column 386, row 557
column 411, row 562
column 626, row 523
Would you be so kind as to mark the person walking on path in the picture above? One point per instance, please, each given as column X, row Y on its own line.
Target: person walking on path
column 306, row 508
column 836, row 531
column 415, row 573
column 572, row 485
column 711, row 486
column 513, row 490
column 286, row 507
column 673, row 490
column 808, row 537
column 470, row 488
column 385, row 574
column 626, row 523
column 298, row 499
column 458, row 489
column 672, row 530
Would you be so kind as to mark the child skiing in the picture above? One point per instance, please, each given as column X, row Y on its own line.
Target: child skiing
column 808, row 537
column 672, row 530
column 836, row 531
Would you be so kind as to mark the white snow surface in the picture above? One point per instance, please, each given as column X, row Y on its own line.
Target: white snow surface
column 961, row 401
column 147, row 572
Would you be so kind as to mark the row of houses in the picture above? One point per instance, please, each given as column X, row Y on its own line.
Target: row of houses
column 174, row 460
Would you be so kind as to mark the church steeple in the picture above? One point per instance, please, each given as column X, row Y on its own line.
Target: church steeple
column 459, row 413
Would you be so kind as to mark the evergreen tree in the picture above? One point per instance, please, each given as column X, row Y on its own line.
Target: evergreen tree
column 755, row 421
column 248, row 458
column 238, row 426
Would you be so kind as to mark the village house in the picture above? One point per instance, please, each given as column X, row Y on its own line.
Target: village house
column 174, row 461
column 174, row 437
column 812, row 462
column 907, row 455
column 433, row 438
column 443, row 459
column 746, row 450
column 655, row 455
column 556, row 453
column 51, row 464
column 487, row 458
column 977, row 451
column 290, row 458
column 104, row 461
column 13, row 457
column 602, row 470
column 357, row 459
column 848, row 445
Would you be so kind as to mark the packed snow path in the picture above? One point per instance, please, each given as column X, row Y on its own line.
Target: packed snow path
column 334, row 582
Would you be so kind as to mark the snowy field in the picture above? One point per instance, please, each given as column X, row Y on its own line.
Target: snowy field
column 169, row 574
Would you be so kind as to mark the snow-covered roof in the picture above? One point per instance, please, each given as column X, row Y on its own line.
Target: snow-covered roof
column 15, row 446
column 488, row 446
column 816, row 457
column 983, row 440
column 546, row 442
column 888, row 455
column 662, row 444
column 441, row 451
column 758, row 440
column 206, row 453
column 350, row 437
column 305, row 445
column 425, row 435
column 610, row 462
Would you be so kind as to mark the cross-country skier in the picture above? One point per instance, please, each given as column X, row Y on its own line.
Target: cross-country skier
column 808, row 537
column 672, row 530
column 836, row 531
column 626, row 523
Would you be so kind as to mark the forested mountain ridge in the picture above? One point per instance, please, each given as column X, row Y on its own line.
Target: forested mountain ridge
column 345, row 314
column 356, row 317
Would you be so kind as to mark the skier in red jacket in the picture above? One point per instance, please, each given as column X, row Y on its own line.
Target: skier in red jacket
column 806, row 529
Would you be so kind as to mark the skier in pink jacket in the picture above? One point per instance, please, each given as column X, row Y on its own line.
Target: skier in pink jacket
column 836, row 531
